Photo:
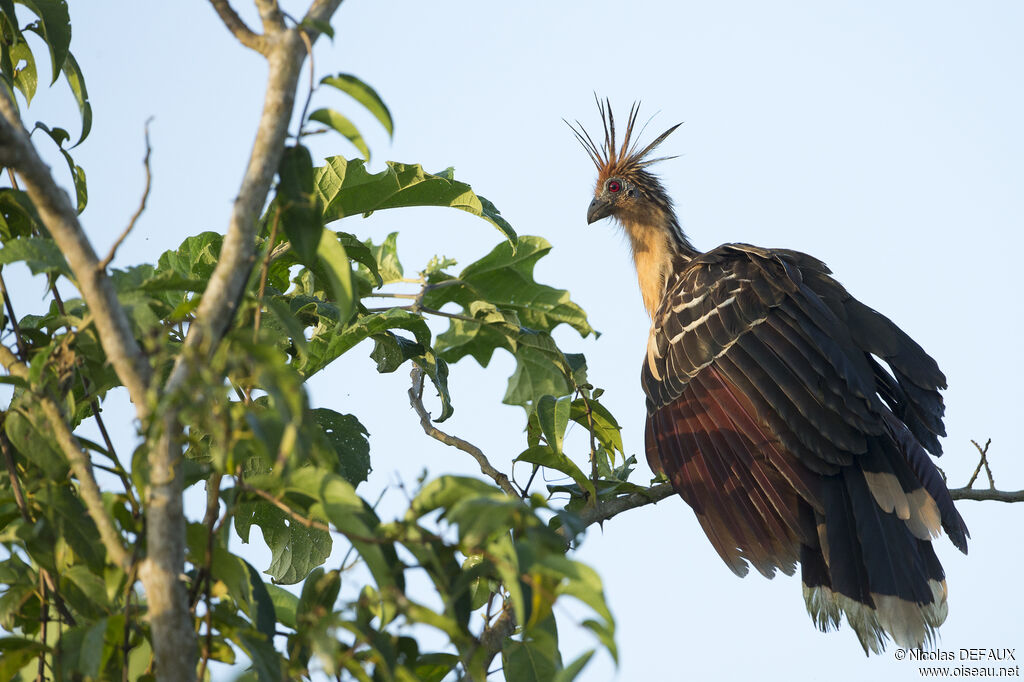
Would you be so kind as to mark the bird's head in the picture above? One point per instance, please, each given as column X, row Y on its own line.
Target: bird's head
column 625, row 188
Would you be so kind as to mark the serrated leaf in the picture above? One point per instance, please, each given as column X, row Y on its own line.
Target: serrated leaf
column 540, row 370
column 195, row 258
column 328, row 342
column 295, row 549
column 504, row 278
column 365, row 95
column 348, row 189
column 332, row 119
column 348, row 439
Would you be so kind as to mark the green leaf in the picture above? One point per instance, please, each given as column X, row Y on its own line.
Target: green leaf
column 346, row 189
column 546, row 456
column 39, row 254
column 295, row 549
column 25, row 77
column 16, row 653
column 73, row 75
column 361, row 253
column 385, row 256
column 339, row 272
column 437, row 369
column 300, row 211
column 285, row 604
column 60, row 136
column 536, row 658
column 34, row 444
column 328, row 342
column 332, row 119
column 553, row 414
column 390, row 351
column 540, row 370
column 348, row 513
column 572, row 671
column 18, row 217
column 54, row 26
column 348, row 440
column 195, row 258
column 606, row 428
column 504, row 278
column 365, row 95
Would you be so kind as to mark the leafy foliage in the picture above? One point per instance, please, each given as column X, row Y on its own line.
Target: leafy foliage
column 496, row 562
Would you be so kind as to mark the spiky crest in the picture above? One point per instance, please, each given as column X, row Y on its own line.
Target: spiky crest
column 614, row 160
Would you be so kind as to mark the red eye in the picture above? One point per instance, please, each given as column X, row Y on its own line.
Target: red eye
column 614, row 186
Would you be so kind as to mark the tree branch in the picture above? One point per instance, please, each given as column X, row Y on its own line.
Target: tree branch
column 416, row 400
column 606, row 510
column 174, row 639
column 80, row 465
column 238, row 28
column 60, row 218
column 987, row 495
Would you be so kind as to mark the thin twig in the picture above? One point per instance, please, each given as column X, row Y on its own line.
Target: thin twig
column 44, row 616
column 61, row 219
column 264, row 270
column 615, row 506
column 416, row 399
column 12, row 471
column 987, row 495
column 429, row 311
column 238, row 28
column 307, row 522
column 138, row 212
column 212, row 507
column 22, row 349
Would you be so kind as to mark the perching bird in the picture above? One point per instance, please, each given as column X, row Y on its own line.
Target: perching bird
column 771, row 410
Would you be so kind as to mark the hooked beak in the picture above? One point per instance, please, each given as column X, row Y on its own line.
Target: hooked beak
column 599, row 208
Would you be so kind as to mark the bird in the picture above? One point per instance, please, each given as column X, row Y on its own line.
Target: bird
column 794, row 420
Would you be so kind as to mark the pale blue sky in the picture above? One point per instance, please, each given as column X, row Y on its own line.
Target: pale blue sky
column 883, row 138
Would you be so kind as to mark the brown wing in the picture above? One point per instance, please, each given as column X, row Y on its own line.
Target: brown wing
column 772, row 417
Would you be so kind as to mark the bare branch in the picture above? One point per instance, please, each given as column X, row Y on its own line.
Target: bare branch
column 987, row 495
column 60, row 218
column 138, row 212
column 80, row 465
column 416, row 399
column 238, row 28
column 307, row 522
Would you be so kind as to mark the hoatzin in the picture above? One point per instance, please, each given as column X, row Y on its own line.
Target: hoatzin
column 772, row 412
